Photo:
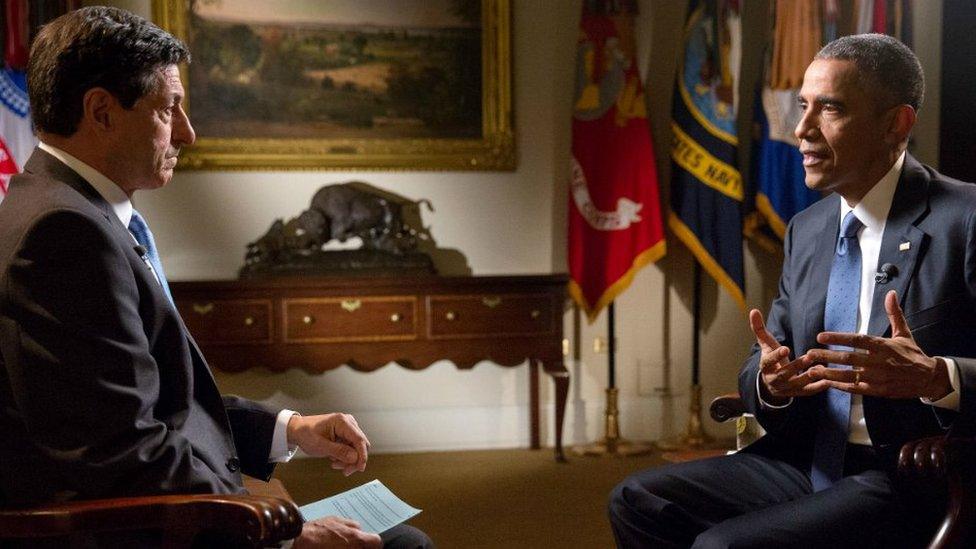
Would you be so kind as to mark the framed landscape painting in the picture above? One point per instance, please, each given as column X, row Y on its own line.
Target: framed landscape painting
column 346, row 84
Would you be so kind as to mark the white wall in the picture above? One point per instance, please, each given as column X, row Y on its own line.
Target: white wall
column 504, row 222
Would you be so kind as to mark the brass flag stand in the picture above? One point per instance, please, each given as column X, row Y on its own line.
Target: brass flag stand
column 612, row 443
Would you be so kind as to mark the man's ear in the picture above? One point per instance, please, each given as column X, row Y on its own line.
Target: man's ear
column 900, row 124
column 98, row 109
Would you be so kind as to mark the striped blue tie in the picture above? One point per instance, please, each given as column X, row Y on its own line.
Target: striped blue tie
column 140, row 229
column 840, row 315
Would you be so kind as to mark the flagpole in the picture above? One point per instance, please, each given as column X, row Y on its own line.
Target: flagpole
column 611, row 347
column 695, row 437
column 632, row 241
column 612, row 443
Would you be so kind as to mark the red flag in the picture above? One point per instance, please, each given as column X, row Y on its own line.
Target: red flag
column 615, row 224
column 16, row 45
column 880, row 23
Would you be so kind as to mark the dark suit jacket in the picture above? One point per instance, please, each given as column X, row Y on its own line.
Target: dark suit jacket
column 103, row 392
column 936, row 285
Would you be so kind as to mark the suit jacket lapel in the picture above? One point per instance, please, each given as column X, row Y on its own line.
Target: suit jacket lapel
column 44, row 164
column 902, row 241
column 819, row 275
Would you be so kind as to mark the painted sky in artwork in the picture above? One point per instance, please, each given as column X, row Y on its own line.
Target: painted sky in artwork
column 394, row 13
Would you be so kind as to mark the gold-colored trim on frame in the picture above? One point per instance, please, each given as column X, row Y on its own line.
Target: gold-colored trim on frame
column 495, row 150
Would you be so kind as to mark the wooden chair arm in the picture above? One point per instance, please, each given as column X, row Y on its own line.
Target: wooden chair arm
column 951, row 460
column 250, row 521
column 726, row 407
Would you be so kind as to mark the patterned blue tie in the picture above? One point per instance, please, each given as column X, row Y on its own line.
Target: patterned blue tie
column 140, row 229
column 840, row 315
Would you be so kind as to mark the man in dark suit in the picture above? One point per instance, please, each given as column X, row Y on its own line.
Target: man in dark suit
column 844, row 373
column 103, row 393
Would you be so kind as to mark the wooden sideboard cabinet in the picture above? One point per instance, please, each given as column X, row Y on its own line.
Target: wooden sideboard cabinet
column 318, row 324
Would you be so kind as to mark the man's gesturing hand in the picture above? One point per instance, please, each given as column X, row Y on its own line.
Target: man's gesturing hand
column 335, row 436
column 335, row 532
column 781, row 377
column 892, row 367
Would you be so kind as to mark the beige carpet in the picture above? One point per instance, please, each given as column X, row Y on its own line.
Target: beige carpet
column 489, row 498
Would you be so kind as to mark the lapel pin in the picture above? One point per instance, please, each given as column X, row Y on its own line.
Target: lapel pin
column 904, row 246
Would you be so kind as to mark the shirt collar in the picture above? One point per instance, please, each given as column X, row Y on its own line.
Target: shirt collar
column 873, row 209
column 112, row 193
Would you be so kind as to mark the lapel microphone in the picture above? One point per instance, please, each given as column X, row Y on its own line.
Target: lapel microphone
column 141, row 250
column 887, row 272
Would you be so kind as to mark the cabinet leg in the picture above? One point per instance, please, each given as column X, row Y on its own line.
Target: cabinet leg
column 560, row 376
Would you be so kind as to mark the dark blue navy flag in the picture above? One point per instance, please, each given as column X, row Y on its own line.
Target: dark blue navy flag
column 706, row 186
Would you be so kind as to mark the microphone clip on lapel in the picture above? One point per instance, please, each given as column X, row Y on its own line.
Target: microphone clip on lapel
column 886, row 274
column 144, row 256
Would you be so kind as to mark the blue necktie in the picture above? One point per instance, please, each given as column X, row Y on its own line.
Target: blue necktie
column 840, row 315
column 140, row 229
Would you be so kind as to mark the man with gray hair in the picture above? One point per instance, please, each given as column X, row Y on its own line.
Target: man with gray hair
column 103, row 392
column 866, row 344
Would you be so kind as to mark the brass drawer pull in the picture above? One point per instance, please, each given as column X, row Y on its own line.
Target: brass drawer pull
column 351, row 305
column 395, row 317
column 450, row 315
column 249, row 321
column 535, row 314
column 307, row 319
column 491, row 302
column 203, row 309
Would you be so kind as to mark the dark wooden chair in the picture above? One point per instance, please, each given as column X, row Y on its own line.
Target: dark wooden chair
column 948, row 460
column 182, row 520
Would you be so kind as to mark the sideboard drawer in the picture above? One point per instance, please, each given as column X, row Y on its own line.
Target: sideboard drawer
column 350, row 319
column 369, row 322
column 484, row 315
column 228, row 320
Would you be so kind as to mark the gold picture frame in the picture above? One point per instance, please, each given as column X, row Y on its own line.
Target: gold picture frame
column 493, row 149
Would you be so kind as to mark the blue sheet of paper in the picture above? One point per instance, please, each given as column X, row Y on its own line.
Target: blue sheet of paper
column 372, row 505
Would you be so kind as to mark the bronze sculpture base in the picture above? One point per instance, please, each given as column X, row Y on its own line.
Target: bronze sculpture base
column 343, row 263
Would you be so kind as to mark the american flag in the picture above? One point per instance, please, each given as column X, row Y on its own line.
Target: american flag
column 17, row 138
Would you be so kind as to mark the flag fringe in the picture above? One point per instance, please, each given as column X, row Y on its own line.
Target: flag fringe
column 752, row 228
column 776, row 223
column 706, row 260
column 648, row 256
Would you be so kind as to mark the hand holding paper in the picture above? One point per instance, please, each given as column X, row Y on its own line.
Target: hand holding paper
column 373, row 506
column 335, row 532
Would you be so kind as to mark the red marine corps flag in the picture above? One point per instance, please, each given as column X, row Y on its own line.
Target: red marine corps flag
column 615, row 225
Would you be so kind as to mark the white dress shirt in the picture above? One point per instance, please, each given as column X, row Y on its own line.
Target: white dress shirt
column 872, row 211
column 281, row 451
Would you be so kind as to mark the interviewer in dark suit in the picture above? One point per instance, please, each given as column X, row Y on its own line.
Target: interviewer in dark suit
column 912, row 373
column 103, row 393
